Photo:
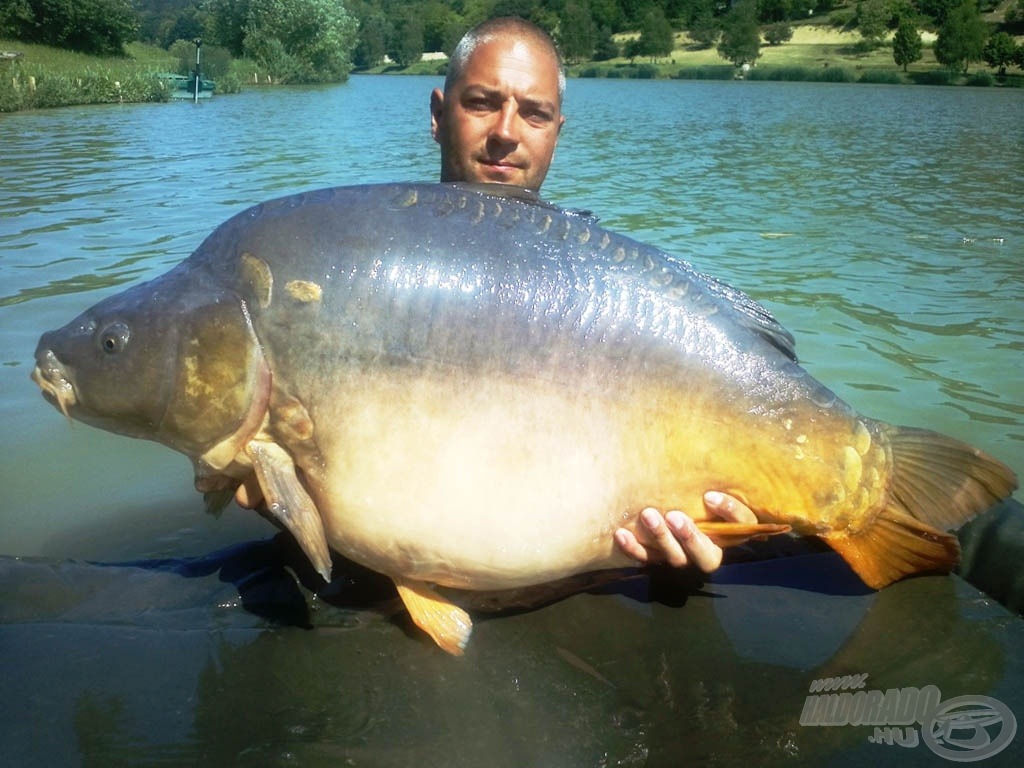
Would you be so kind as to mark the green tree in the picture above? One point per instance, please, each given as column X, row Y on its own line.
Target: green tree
column 608, row 15
column 301, row 41
column 577, row 33
column 229, row 21
column 405, row 46
column 442, row 26
column 873, row 18
column 906, row 44
column 91, row 26
column 189, row 24
column 704, row 28
column 741, row 38
column 1000, row 52
column 778, row 33
column 656, row 36
column 606, row 47
column 961, row 38
column 1015, row 13
column 372, row 39
column 937, row 10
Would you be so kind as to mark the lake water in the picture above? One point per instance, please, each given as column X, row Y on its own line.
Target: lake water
column 882, row 225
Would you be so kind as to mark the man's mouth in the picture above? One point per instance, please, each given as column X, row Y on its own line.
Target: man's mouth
column 500, row 166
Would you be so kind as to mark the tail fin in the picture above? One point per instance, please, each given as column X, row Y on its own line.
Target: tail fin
column 937, row 483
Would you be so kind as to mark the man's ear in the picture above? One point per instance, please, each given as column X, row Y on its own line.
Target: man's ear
column 436, row 111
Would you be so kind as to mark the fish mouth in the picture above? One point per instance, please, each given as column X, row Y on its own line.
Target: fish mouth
column 51, row 376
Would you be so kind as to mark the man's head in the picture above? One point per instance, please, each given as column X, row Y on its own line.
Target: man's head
column 500, row 113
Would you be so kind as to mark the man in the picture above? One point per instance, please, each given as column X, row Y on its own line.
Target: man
column 498, row 119
column 500, row 113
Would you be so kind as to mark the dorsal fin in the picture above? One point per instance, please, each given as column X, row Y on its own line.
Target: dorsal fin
column 757, row 318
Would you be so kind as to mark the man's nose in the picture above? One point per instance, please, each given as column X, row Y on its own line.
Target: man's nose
column 506, row 127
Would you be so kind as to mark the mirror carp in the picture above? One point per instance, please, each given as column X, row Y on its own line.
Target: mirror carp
column 464, row 387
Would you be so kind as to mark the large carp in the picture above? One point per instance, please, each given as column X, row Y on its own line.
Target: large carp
column 457, row 386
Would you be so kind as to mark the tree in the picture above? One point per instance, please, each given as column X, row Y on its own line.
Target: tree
column 1015, row 13
column 656, row 36
column 938, row 10
column 873, row 19
column 906, row 44
column 90, row 26
column 704, row 28
column 301, row 41
column 606, row 47
column 961, row 38
column 778, row 33
column 229, row 23
column 741, row 39
column 577, row 33
column 405, row 46
column 372, row 39
column 189, row 24
column 1000, row 52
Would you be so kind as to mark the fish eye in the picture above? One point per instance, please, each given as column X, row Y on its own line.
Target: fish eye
column 114, row 338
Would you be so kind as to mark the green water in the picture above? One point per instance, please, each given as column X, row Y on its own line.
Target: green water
column 881, row 225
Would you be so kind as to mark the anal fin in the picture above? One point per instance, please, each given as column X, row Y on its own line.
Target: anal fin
column 727, row 534
column 288, row 501
column 893, row 546
column 448, row 625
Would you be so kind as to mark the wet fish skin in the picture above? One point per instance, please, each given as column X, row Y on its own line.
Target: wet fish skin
column 477, row 389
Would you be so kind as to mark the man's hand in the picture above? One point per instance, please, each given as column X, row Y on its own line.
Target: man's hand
column 675, row 539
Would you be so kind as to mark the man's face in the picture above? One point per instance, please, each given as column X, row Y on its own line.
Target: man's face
column 501, row 118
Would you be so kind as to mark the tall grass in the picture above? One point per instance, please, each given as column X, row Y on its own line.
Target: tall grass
column 53, row 77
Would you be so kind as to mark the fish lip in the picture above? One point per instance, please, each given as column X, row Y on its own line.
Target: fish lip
column 52, row 378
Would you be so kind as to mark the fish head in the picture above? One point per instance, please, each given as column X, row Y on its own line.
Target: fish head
column 174, row 360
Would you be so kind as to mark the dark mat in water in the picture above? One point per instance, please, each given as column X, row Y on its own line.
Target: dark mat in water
column 230, row 660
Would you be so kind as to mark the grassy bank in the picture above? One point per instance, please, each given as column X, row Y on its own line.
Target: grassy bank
column 817, row 52
column 52, row 77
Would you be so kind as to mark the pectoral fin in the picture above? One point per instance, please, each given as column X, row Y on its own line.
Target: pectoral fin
column 288, row 501
column 733, row 534
column 448, row 625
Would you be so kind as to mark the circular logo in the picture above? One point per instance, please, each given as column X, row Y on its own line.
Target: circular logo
column 969, row 728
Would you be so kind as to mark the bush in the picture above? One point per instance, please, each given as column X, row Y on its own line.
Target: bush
column 646, row 72
column 705, row 73
column 981, row 80
column 802, row 74
column 836, row 75
column 39, row 88
column 786, row 74
column 778, row 33
column 880, row 77
column 933, row 77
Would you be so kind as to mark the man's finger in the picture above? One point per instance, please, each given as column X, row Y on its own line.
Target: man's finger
column 665, row 539
column 629, row 545
column 698, row 548
column 726, row 507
